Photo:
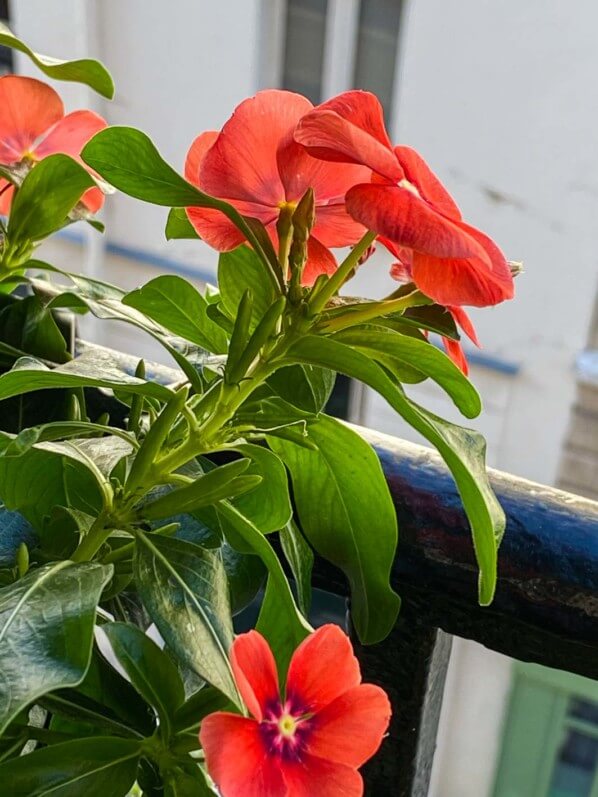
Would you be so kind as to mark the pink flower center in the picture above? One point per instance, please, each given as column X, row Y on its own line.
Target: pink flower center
column 285, row 730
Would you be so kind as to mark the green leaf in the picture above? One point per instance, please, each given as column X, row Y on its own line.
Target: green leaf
column 280, row 621
column 205, row 701
column 85, row 70
column 268, row 506
column 239, row 271
column 96, row 767
column 305, row 386
column 189, row 781
column 347, row 514
column 46, row 197
column 184, row 589
column 421, row 355
column 57, row 475
column 462, row 449
column 152, row 672
column 104, row 701
column 31, row 327
column 301, row 560
column 90, row 370
column 176, row 305
column 178, row 225
column 46, row 632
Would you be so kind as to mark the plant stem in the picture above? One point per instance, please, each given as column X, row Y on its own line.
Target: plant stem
column 93, row 540
column 319, row 301
column 372, row 310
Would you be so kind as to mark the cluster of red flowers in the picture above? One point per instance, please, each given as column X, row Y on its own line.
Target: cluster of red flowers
column 276, row 145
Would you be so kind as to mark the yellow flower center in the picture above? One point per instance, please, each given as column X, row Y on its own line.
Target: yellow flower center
column 409, row 187
column 287, row 725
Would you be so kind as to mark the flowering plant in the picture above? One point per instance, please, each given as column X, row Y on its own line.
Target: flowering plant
column 134, row 531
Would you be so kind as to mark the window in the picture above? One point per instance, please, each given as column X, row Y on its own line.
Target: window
column 377, row 49
column 550, row 741
column 304, row 47
column 6, row 54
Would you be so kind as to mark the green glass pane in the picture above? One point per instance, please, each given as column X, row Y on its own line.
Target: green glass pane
column 576, row 765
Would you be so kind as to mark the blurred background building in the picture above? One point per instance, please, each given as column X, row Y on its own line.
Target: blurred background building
column 501, row 100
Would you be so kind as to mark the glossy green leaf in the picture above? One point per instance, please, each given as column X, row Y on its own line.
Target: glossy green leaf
column 374, row 341
column 29, row 326
column 46, row 197
column 268, row 506
column 152, row 672
column 239, row 271
column 189, row 781
column 84, row 70
column 280, row 621
column 300, row 558
column 184, row 589
column 347, row 514
column 178, row 226
column 305, row 386
column 463, row 450
column 93, row 370
column 205, row 701
column 96, row 767
column 176, row 305
column 58, row 474
column 46, row 632
column 104, row 702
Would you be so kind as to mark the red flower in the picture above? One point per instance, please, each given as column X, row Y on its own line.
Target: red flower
column 453, row 263
column 33, row 126
column 309, row 742
column 402, row 271
column 255, row 165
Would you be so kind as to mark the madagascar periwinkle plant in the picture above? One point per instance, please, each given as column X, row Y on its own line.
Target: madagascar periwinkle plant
column 135, row 528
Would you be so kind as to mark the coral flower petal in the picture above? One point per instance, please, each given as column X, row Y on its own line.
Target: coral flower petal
column 70, row 134
column 319, row 261
column 242, row 162
column 350, row 729
column 330, row 181
column 255, row 673
column 322, row 668
column 478, row 281
column 429, row 186
column 313, row 776
column 29, row 108
column 93, row 199
column 455, row 351
column 237, row 758
column 6, row 195
column 464, row 321
column 334, row 227
column 397, row 213
column 197, row 153
column 350, row 128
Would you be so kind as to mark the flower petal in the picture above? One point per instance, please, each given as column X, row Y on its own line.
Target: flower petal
column 242, row 162
column 6, row 194
column 255, row 673
column 350, row 729
column 196, row 154
column 474, row 280
column 322, row 668
column 397, row 213
column 429, row 186
column 330, row 181
column 70, row 134
column 334, row 227
column 464, row 321
column 28, row 108
column 312, row 776
column 455, row 351
column 319, row 261
column 93, row 199
column 237, row 759
column 350, row 128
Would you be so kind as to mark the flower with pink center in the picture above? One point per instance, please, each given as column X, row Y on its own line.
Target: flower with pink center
column 309, row 741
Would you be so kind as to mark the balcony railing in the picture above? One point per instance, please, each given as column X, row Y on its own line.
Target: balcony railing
column 545, row 609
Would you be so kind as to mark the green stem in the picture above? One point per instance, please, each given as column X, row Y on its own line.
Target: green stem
column 372, row 310
column 319, row 301
column 93, row 540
